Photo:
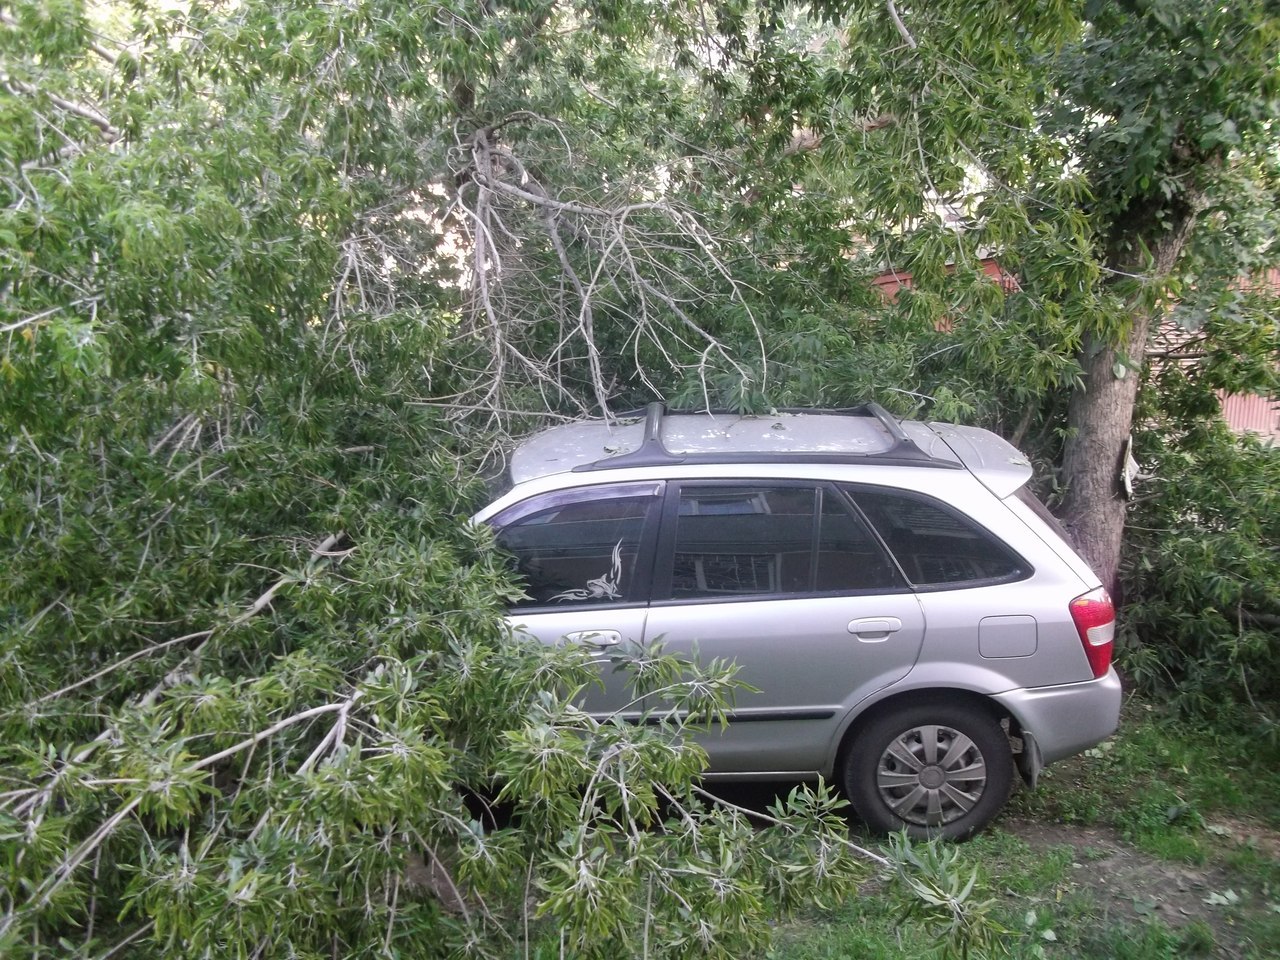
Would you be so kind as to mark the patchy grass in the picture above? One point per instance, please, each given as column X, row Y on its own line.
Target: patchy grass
column 862, row 929
column 1161, row 782
column 1160, row 844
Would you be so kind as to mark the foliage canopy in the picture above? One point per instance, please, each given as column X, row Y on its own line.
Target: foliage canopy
column 260, row 266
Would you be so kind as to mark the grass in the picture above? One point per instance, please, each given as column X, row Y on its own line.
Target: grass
column 1158, row 780
column 1162, row 843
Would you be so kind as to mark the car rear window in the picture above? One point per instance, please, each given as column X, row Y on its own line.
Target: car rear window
column 935, row 545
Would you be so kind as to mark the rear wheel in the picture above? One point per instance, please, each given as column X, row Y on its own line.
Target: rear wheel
column 935, row 770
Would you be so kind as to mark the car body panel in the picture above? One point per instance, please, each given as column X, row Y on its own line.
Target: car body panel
column 998, row 464
column 1066, row 718
column 809, row 669
column 955, row 618
column 572, row 446
column 607, row 634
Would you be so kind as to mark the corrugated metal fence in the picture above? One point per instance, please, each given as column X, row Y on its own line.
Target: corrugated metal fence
column 1247, row 413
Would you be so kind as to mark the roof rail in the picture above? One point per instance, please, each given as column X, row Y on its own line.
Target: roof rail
column 653, row 453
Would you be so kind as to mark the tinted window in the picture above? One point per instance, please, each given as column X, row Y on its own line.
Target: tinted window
column 736, row 541
column 848, row 556
column 935, row 545
column 577, row 550
column 761, row 540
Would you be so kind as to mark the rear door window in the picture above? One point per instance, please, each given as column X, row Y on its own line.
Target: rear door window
column 743, row 541
column 729, row 541
column 848, row 556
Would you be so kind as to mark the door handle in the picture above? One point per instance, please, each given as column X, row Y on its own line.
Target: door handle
column 874, row 629
column 595, row 638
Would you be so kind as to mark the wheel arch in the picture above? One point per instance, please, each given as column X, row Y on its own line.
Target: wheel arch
column 916, row 697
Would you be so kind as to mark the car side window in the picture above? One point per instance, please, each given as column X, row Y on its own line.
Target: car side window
column 848, row 556
column 935, row 545
column 771, row 539
column 738, row 541
column 579, row 547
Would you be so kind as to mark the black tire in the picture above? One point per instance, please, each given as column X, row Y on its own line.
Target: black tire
column 961, row 754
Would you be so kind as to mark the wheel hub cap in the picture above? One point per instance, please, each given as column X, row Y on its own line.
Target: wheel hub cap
column 931, row 775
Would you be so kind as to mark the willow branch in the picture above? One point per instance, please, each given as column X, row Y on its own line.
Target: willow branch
column 902, row 27
column 46, row 890
column 124, row 661
column 33, row 804
column 848, row 844
column 110, row 132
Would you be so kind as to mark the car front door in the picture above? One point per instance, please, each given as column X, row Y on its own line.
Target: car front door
column 785, row 580
column 585, row 558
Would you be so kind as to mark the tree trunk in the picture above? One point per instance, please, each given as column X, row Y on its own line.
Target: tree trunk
column 1100, row 416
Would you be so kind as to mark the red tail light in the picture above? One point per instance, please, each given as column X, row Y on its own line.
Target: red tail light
column 1095, row 619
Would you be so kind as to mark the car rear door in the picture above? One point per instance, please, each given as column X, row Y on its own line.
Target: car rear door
column 785, row 580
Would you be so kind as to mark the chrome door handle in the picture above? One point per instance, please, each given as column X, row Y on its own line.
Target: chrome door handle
column 873, row 629
column 595, row 638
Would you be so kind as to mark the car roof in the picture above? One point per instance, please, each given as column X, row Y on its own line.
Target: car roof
column 866, row 434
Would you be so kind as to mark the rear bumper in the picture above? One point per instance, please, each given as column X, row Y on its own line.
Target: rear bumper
column 1066, row 719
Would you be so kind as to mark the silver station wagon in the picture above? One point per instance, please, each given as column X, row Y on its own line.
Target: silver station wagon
column 912, row 618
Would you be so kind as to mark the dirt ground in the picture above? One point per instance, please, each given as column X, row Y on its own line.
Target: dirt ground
column 1126, row 882
column 1129, row 884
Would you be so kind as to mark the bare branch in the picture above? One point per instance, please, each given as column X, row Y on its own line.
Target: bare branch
column 95, row 116
column 643, row 258
column 333, row 739
column 902, row 27
column 272, row 730
column 27, row 321
column 124, row 661
column 46, row 314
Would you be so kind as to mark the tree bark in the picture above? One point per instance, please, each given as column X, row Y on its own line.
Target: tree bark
column 1100, row 415
column 1100, row 418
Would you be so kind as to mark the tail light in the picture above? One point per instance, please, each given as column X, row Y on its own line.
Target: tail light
column 1095, row 618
